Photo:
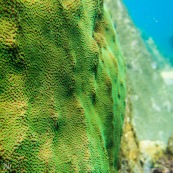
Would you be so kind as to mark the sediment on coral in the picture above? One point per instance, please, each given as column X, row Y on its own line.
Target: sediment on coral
column 62, row 87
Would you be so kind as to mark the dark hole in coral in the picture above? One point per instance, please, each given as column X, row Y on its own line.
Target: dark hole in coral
column 57, row 126
column 113, row 39
column 93, row 98
column 119, row 96
column 141, row 162
column 121, row 84
column 109, row 144
column 124, row 161
column 70, row 90
column 107, row 29
column 95, row 69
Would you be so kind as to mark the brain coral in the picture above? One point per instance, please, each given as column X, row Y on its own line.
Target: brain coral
column 62, row 87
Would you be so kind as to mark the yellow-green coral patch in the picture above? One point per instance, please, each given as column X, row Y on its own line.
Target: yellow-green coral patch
column 62, row 87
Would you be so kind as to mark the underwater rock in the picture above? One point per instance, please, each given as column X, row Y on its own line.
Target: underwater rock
column 151, row 148
column 163, row 164
column 129, row 153
column 149, row 152
column 62, row 87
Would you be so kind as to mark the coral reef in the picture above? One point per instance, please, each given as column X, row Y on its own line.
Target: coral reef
column 150, row 96
column 149, row 116
column 62, row 87
column 164, row 163
column 129, row 151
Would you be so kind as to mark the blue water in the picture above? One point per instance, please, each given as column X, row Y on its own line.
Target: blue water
column 155, row 19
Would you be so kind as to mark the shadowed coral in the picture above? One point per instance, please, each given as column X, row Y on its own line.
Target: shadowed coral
column 62, row 87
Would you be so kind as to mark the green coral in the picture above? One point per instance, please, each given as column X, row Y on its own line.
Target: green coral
column 62, row 87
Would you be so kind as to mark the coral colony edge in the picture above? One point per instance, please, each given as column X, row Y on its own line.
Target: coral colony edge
column 62, row 87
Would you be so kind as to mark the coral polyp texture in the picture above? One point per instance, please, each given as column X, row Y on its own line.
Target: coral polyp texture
column 62, row 87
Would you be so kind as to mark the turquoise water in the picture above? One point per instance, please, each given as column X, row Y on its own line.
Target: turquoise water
column 155, row 19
